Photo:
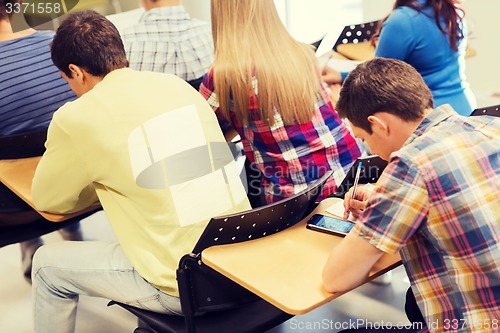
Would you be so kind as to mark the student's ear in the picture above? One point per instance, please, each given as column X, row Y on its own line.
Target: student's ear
column 378, row 125
column 76, row 72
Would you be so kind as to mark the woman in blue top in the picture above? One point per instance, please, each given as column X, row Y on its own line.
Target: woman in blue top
column 430, row 35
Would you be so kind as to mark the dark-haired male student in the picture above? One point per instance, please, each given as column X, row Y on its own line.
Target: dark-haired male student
column 149, row 147
column 436, row 203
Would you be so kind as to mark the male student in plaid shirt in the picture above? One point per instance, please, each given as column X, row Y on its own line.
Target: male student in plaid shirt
column 436, row 202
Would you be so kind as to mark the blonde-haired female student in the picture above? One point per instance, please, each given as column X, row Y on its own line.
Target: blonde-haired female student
column 267, row 87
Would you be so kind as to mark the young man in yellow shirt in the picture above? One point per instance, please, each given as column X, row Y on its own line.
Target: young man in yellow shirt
column 149, row 147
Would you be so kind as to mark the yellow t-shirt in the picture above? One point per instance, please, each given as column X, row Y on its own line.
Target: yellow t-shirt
column 151, row 148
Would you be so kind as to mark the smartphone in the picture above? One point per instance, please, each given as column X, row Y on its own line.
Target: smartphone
column 328, row 224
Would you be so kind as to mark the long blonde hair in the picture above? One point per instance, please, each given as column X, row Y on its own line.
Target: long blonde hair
column 250, row 40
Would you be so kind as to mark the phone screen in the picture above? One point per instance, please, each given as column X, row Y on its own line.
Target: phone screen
column 329, row 224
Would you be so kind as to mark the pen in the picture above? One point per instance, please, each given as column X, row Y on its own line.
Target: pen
column 355, row 186
column 330, row 56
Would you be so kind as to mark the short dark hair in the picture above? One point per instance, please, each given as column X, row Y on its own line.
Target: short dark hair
column 3, row 9
column 381, row 84
column 89, row 40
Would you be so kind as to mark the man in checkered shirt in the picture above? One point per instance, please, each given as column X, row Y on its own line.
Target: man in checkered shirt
column 167, row 40
column 436, row 203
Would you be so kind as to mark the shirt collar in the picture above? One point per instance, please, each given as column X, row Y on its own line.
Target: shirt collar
column 433, row 118
column 117, row 73
column 172, row 12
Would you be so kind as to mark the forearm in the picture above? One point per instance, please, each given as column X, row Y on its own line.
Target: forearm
column 349, row 263
column 51, row 197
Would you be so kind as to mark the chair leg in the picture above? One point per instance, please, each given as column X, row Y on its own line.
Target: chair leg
column 189, row 320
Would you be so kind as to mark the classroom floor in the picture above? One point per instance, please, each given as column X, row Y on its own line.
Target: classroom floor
column 372, row 302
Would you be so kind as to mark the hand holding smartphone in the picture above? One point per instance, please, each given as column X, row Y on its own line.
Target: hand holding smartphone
column 329, row 224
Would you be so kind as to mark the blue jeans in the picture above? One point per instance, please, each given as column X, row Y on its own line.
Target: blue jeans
column 64, row 270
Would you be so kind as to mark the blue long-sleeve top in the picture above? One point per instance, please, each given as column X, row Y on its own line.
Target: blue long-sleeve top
column 415, row 38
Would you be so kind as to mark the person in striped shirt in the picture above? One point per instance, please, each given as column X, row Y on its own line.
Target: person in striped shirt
column 31, row 89
column 436, row 203
column 266, row 88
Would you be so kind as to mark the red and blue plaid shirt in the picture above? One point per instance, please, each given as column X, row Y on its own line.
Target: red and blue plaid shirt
column 292, row 156
column 437, row 203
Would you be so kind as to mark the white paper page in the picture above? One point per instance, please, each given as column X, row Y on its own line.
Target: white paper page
column 329, row 40
column 337, row 208
column 340, row 65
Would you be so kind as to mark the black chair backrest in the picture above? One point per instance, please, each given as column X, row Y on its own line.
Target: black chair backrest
column 19, row 146
column 10, row 203
column 196, row 83
column 261, row 221
column 356, row 33
column 23, row 145
column 317, row 43
column 372, row 168
column 493, row 110
column 204, row 290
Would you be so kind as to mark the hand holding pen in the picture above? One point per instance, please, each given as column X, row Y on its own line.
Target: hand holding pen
column 328, row 74
column 331, row 76
column 351, row 202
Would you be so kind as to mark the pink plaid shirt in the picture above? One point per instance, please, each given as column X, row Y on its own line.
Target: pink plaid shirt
column 292, row 156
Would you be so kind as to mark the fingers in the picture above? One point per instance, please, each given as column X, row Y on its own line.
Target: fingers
column 326, row 71
column 362, row 193
column 354, row 207
column 346, row 214
column 331, row 76
column 357, row 205
column 357, row 208
column 347, row 203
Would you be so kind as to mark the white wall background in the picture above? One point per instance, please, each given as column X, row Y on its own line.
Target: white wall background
column 483, row 70
column 199, row 9
column 308, row 21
